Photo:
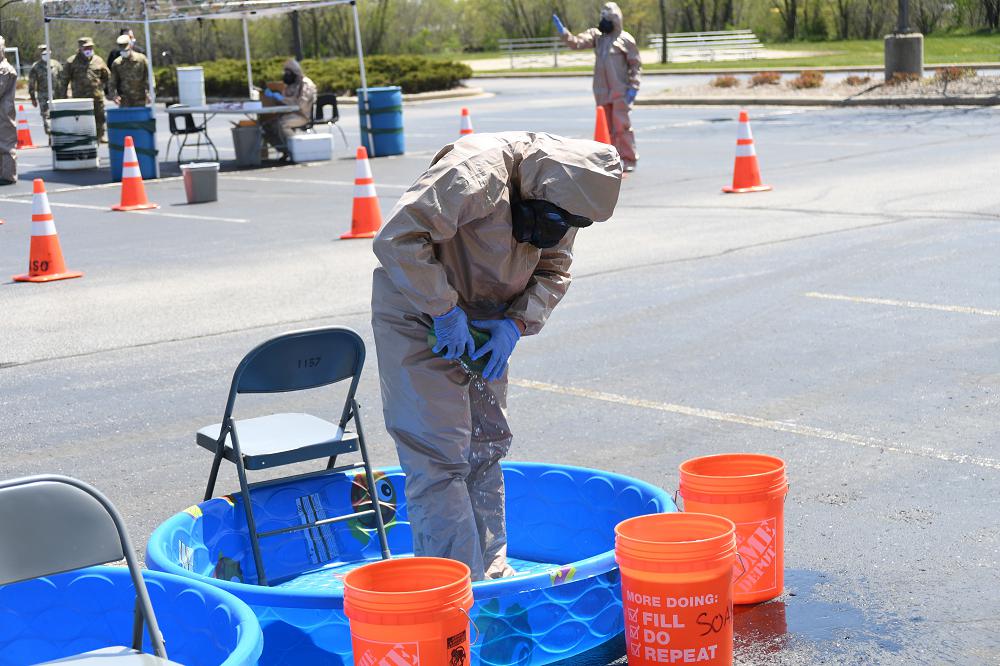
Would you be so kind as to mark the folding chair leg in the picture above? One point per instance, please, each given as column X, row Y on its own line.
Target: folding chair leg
column 370, row 478
column 214, row 474
column 137, row 627
column 248, row 509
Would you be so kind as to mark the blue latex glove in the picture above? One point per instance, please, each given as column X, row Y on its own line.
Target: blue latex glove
column 504, row 334
column 452, row 331
column 630, row 94
column 560, row 28
column 272, row 94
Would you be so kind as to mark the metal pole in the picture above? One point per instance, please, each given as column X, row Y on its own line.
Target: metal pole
column 364, row 78
column 152, row 83
column 48, row 67
column 903, row 26
column 663, row 31
column 246, row 48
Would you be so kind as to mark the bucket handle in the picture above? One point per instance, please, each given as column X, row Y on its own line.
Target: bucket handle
column 475, row 641
column 743, row 565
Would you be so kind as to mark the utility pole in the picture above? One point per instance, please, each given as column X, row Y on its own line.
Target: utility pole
column 904, row 49
column 663, row 30
column 296, row 36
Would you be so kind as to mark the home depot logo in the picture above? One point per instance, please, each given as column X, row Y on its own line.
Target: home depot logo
column 390, row 654
column 757, row 543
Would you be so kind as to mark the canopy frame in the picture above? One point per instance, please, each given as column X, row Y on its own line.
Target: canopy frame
column 168, row 11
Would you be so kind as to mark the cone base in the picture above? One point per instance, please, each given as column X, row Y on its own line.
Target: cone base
column 145, row 206
column 47, row 278
column 364, row 234
column 744, row 190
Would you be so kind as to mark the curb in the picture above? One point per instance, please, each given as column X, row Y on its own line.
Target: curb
column 454, row 93
column 820, row 101
column 735, row 70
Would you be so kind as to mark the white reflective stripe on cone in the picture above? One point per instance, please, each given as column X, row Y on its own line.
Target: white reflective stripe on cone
column 43, row 228
column 40, row 206
column 131, row 171
column 743, row 132
column 364, row 191
column 362, row 169
column 745, row 150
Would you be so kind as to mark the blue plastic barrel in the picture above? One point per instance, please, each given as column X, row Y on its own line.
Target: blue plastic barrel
column 385, row 111
column 139, row 123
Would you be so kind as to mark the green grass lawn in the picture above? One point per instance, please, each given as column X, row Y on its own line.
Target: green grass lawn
column 944, row 49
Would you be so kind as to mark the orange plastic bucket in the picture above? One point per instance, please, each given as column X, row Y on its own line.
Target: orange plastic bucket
column 677, row 584
column 409, row 611
column 748, row 489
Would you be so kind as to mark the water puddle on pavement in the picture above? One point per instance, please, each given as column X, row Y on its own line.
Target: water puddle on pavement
column 803, row 620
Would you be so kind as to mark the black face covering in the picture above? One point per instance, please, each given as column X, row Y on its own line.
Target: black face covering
column 541, row 223
column 606, row 26
column 289, row 77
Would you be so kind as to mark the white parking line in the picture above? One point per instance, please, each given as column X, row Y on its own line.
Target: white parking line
column 299, row 181
column 768, row 424
column 961, row 309
column 155, row 213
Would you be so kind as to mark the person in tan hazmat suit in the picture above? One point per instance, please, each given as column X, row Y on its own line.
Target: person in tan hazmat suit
column 484, row 237
column 617, row 71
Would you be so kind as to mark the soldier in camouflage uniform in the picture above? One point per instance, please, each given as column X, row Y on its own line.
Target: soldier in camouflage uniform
column 8, row 127
column 86, row 73
column 38, row 82
column 129, row 76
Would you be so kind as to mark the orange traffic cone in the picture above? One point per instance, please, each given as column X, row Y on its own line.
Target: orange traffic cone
column 45, row 259
column 366, row 217
column 133, row 191
column 466, row 127
column 746, row 172
column 601, row 132
column 23, row 131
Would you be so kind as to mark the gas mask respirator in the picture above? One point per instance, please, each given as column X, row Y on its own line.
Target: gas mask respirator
column 541, row 223
column 606, row 26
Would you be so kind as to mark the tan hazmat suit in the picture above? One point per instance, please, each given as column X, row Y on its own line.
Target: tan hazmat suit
column 617, row 67
column 449, row 242
column 302, row 94
column 8, row 121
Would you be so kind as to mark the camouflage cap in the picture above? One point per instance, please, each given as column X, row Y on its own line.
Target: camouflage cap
column 42, row 48
column 85, row 41
column 123, row 40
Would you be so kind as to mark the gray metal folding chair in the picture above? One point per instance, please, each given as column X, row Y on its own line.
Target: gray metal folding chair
column 52, row 524
column 293, row 361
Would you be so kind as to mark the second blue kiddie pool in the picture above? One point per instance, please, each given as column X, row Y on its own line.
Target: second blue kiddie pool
column 50, row 618
column 565, row 600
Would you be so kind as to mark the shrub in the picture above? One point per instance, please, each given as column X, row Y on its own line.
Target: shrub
column 854, row 80
column 766, row 79
column 725, row 81
column 414, row 74
column 809, row 79
column 949, row 74
column 899, row 78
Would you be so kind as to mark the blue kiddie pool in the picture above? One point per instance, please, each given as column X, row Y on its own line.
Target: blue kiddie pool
column 58, row 616
column 565, row 600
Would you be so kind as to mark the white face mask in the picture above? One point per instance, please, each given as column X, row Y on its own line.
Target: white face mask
column 45, row 57
column 88, row 53
column 127, row 53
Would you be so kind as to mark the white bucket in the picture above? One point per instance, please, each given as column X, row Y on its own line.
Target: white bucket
column 74, row 134
column 191, row 86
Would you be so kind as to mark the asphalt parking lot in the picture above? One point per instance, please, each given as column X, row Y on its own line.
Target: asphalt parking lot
column 846, row 321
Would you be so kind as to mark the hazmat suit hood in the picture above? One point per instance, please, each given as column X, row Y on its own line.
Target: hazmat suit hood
column 294, row 66
column 580, row 176
column 612, row 11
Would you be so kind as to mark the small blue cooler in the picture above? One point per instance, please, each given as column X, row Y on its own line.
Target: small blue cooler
column 385, row 108
column 139, row 123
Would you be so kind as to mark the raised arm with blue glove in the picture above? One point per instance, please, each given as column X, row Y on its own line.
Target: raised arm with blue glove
column 630, row 94
column 273, row 95
column 453, row 337
column 504, row 334
column 560, row 28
